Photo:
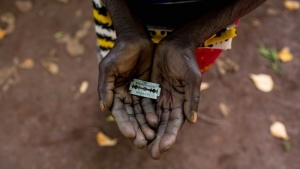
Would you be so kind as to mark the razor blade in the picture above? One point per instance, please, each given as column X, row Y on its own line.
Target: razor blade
column 144, row 89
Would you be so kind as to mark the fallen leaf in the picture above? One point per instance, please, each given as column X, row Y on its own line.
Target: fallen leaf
column 291, row 5
column 24, row 6
column 226, row 65
column 7, row 73
column 51, row 67
column 84, row 30
column 27, row 64
column 285, row 55
column 83, row 87
column 221, row 66
column 204, row 86
column 58, row 35
column 104, row 140
column 74, row 48
column 9, row 19
column 272, row 12
column 73, row 45
column 7, row 85
column 263, row 82
column 287, row 145
column 278, row 130
column 272, row 57
column 8, row 77
column 110, row 118
column 225, row 111
column 78, row 13
column 255, row 22
column 2, row 33
column 16, row 61
column 63, row 1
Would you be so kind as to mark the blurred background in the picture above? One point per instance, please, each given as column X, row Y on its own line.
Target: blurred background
column 49, row 109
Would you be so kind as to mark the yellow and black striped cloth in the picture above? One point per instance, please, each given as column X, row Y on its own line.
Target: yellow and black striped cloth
column 106, row 35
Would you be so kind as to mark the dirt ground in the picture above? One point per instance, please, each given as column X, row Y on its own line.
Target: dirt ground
column 42, row 126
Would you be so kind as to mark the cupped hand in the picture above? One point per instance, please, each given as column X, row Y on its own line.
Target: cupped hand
column 176, row 70
column 135, row 116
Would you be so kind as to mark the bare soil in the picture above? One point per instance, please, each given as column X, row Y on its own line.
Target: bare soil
column 42, row 126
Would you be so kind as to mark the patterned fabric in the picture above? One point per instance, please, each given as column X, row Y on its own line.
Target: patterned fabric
column 205, row 54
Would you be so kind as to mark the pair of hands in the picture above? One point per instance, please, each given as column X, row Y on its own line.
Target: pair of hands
column 145, row 122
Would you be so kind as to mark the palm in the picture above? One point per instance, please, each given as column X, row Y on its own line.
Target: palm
column 175, row 69
column 125, row 62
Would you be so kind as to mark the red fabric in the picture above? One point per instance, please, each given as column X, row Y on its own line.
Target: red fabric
column 206, row 57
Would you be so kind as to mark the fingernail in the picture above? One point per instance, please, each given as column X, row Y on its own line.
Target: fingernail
column 194, row 117
column 102, row 106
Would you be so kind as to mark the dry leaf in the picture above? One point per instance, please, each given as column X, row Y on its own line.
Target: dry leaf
column 263, row 82
column 78, row 13
column 16, row 61
column 83, row 87
column 51, row 67
column 255, row 22
column 9, row 19
column 226, row 65
column 272, row 12
column 285, row 55
column 110, row 118
column 27, row 64
column 291, row 5
column 204, row 86
column 24, row 6
column 2, row 33
column 84, row 30
column 9, row 73
column 74, row 48
column 8, row 77
column 220, row 65
column 104, row 140
column 73, row 45
column 225, row 111
column 278, row 130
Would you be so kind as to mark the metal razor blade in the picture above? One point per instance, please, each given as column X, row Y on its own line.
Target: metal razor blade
column 145, row 89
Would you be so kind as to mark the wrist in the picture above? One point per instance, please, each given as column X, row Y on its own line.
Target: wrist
column 133, row 33
column 175, row 47
column 181, row 42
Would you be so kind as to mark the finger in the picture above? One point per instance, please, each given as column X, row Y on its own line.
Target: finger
column 106, row 84
column 148, row 109
column 155, row 150
column 139, row 141
column 175, row 123
column 192, row 94
column 122, row 118
column 158, row 112
column 140, row 117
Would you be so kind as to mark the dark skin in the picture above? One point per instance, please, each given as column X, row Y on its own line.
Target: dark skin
column 158, row 124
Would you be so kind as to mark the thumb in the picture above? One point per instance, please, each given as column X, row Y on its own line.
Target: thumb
column 192, row 94
column 106, row 84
